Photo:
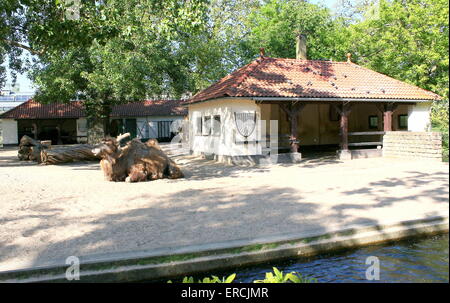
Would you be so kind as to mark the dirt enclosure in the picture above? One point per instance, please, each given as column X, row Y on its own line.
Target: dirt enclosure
column 48, row 213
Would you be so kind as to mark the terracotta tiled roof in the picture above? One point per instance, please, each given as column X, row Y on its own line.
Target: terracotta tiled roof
column 34, row 110
column 292, row 78
column 74, row 109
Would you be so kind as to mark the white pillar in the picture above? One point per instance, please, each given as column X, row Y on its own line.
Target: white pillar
column 9, row 131
column 419, row 117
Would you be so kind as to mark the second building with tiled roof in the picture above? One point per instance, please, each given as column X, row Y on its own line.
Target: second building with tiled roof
column 65, row 123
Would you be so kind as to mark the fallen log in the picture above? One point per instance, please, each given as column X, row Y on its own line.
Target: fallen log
column 34, row 150
column 71, row 153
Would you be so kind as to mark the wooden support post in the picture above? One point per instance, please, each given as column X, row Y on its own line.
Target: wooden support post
column 35, row 131
column 58, row 139
column 292, row 110
column 344, row 131
column 387, row 121
column 388, row 110
column 294, row 133
column 344, row 111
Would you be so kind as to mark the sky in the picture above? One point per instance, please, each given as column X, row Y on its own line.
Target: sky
column 328, row 3
column 25, row 84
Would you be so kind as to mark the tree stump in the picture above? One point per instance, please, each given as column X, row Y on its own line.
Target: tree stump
column 136, row 161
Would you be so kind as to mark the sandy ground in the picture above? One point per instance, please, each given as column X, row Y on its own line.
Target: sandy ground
column 48, row 213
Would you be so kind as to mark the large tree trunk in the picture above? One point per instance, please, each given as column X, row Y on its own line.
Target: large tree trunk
column 30, row 149
column 72, row 153
column 106, row 114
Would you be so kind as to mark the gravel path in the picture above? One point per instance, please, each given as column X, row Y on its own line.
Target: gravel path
column 48, row 213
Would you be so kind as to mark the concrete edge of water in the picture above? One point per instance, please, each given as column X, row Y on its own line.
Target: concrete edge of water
column 195, row 259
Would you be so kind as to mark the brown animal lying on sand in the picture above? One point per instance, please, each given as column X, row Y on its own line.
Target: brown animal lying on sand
column 136, row 161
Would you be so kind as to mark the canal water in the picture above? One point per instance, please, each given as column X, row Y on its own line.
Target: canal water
column 413, row 260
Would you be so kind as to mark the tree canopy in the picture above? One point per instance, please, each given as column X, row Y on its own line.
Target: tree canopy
column 111, row 52
column 182, row 46
column 275, row 25
column 407, row 40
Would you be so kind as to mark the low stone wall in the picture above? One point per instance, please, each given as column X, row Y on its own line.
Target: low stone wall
column 417, row 145
column 366, row 153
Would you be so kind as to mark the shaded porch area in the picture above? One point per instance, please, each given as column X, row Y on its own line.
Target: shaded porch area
column 59, row 131
column 320, row 129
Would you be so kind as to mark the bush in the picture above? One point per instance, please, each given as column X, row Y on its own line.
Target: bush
column 444, row 144
column 439, row 122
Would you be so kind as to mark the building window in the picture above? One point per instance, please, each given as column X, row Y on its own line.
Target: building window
column 82, row 125
column 206, row 125
column 198, row 127
column 334, row 114
column 402, row 121
column 216, row 125
column 373, row 122
column 145, row 130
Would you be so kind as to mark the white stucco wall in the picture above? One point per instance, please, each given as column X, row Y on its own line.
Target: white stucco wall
column 228, row 142
column 314, row 125
column 8, row 131
column 419, row 117
column 153, row 125
column 82, row 130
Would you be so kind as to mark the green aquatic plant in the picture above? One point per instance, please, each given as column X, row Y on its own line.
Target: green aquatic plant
column 278, row 277
column 213, row 279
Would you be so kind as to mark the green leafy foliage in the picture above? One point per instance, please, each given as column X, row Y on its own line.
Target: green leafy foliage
column 439, row 118
column 407, row 40
column 276, row 276
column 220, row 43
column 212, row 279
column 114, row 52
column 275, row 25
